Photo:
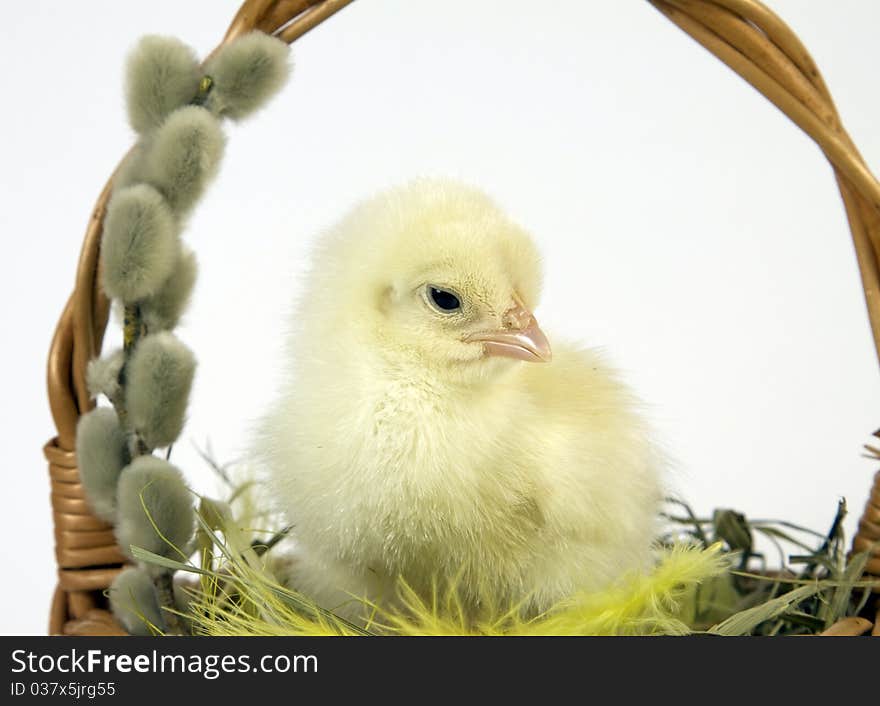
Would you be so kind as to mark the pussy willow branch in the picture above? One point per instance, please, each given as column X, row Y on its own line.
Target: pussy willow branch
column 164, row 584
column 133, row 330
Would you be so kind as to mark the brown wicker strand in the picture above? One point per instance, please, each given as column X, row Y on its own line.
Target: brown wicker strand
column 62, row 401
column 867, row 538
column 248, row 17
column 282, row 13
column 848, row 627
column 90, row 312
column 311, row 19
column 752, row 43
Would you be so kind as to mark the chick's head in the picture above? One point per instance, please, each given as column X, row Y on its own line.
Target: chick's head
column 434, row 274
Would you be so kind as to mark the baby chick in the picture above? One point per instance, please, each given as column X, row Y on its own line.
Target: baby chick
column 426, row 432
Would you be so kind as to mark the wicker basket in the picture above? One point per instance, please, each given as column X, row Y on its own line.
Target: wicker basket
column 744, row 34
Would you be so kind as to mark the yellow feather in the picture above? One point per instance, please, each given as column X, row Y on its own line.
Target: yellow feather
column 254, row 603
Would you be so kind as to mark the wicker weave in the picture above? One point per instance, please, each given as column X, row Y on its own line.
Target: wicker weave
column 744, row 34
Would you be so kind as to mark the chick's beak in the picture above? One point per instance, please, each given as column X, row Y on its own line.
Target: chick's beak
column 521, row 337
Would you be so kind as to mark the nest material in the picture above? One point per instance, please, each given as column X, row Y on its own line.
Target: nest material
column 709, row 578
column 233, row 589
column 246, row 601
column 816, row 588
column 744, row 34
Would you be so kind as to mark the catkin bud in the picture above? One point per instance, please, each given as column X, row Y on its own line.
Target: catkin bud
column 159, row 378
column 102, row 374
column 154, row 509
column 182, row 157
column 162, row 311
column 134, row 603
column 139, row 245
column 246, row 73
column 162, row 75
column 101, row 452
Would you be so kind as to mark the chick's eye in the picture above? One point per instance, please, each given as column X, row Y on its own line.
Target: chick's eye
column 445, row 301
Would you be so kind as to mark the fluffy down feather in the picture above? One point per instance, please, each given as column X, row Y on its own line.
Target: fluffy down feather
column 162, row 75
column 134, row 603
column 645, row 604
column 160, row 374
column 401, row 448
column 102, row 453
column 155, row 509
column 246, row 74
column 139, row 244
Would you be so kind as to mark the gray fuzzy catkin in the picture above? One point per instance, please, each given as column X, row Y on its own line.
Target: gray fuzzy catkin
column 131, row 169
column 102, row 452
column 159, row 377
column 162, row 75
column 102, row 374
column 134, row 603
column 139, row 245
column 151, row 491
column 181, row 157
column 246, row 73
column 162, row 311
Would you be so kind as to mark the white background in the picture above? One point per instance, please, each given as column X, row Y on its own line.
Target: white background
column 688, row 227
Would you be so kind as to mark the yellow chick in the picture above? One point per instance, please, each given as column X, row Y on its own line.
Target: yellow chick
column 424, row 431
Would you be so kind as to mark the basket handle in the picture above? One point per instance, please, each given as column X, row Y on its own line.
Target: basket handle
column 760, row 47
column 744, row 34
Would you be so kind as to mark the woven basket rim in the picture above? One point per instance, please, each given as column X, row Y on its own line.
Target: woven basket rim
column 744, row 34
